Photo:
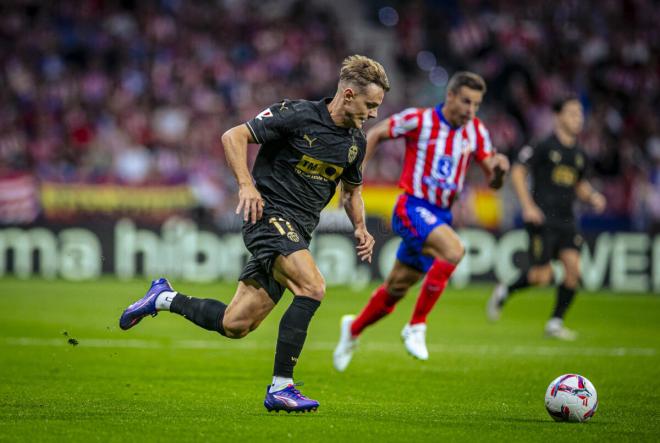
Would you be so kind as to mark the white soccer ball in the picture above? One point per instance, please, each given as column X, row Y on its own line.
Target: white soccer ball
column 571, row 397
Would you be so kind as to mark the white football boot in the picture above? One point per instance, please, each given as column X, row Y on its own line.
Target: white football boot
column 344, row 350
column 414, row 339
column 554, row 328
column 494, row 305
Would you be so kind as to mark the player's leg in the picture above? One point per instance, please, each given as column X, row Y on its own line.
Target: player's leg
column 250, row 305
column 299, row 273
column 538, row 274
column 444, row 245
column 441, row 252
column 382, row 303
column 570, row 259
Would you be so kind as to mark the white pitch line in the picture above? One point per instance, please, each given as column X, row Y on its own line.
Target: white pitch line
column 391, row 347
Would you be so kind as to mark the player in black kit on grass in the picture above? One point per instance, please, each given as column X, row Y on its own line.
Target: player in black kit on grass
column 307, row 148
column 557, row 167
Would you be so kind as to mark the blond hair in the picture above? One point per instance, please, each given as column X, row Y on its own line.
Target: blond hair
column 360, row 71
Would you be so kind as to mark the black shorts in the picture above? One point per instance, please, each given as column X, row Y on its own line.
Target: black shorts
column 545, row 241
column 268, row 238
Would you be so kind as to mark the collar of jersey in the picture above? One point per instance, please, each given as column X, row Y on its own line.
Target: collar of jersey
column 438, row 110
column 323, row 104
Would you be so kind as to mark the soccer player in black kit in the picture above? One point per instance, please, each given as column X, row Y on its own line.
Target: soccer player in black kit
column 307, row 148
column 557, row 168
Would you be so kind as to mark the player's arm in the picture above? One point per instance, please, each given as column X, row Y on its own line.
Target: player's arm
column 530, row 211
column 495, row 168
column 375, row 135
column 586, row 193
column 235, row 142
column 351, row 196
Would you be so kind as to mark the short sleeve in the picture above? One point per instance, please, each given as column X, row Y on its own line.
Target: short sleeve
column 404, row 122
column 353, row 174
column 273, row 123
column 529, row 156
column 484, row 146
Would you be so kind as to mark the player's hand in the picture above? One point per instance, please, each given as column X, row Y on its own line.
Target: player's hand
column 250, row 202
column 598, row 202
column 500, row 168
column 533, row 215
column 365, row 244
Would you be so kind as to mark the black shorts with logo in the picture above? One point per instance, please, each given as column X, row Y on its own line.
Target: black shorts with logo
column 269, row 237
column 546, row 241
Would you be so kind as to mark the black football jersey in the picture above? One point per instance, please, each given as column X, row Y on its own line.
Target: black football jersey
column 302, row 158
column 555, row 170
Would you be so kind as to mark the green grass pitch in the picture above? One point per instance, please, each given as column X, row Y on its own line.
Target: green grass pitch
column 168, row 380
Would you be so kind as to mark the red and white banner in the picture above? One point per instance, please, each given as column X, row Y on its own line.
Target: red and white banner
column 19, row 199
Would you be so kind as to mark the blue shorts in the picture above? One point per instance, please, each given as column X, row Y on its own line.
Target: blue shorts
column 413, row 220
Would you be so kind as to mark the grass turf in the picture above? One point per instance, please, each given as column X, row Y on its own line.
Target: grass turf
column 168, row 380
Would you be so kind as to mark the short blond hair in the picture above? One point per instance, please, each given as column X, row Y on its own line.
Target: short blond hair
column 360, row 70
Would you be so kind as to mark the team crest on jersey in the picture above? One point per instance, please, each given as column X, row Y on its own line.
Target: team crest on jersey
column 264, row 114
column 352, row 153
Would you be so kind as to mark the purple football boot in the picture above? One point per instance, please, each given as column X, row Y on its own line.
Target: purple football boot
column 144, row 306
column 289, row 399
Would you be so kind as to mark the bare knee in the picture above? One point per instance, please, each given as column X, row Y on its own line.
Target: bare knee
column 455, row 254
column 541, row 275
column 572, row 278
column 237, row 328
column 397, row 288
column 314, row 288
column 400, row 280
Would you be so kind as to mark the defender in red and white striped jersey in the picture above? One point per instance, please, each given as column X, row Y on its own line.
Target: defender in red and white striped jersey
column 440, row 144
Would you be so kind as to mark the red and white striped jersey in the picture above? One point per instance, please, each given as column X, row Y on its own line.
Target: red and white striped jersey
column 437, row 154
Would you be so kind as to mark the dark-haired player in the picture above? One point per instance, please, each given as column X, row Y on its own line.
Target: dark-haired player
column 307, row 148
column 440, row 143
column 557, row 168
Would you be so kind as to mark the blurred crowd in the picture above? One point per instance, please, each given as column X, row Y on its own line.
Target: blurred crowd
column 139, row 92
column 605, row 51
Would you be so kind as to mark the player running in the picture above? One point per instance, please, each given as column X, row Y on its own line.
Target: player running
column 307, row 148
column 440, row 143
column 557, row 166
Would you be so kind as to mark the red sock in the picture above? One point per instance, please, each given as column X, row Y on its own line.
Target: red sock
column 434, row 283
column 380, row 304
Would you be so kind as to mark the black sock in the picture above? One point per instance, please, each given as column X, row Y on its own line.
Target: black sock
column 522, row 282
column 564, row 298
column 293, row 331
column 205, row 312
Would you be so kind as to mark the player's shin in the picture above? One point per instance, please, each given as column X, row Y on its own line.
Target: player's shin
column 205, row 312
column 565, row 296
column 380, row 304
column 291, row 337
column 434, row 284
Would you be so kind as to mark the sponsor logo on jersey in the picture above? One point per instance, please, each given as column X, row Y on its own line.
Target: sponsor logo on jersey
column 564, row 175
column 317, row 169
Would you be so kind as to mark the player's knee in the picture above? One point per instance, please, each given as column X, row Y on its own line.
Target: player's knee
column 456, row 254
column 397, row 289
column 236, row 328
column 314, row 289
